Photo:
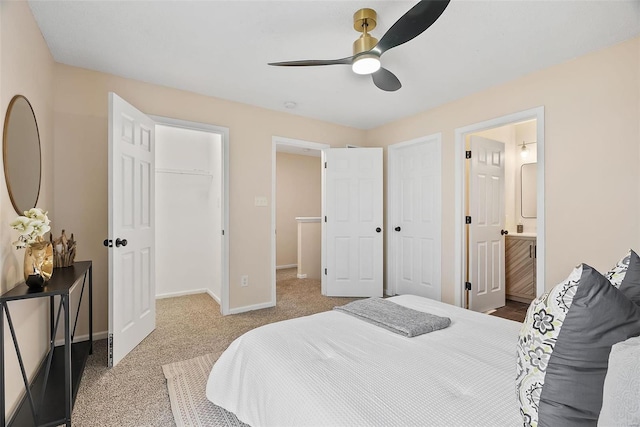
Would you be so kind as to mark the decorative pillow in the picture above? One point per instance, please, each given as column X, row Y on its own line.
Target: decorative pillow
column 564, row 347
column 537, row 340
column 630, row 285
column 621, row 394
column 616, row 274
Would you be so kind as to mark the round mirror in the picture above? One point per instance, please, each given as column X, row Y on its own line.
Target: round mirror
column 21, row 151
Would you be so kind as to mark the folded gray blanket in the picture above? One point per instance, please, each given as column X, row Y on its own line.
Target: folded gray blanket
column 394, row 317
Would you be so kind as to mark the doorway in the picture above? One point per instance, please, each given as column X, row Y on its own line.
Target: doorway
column 475, row 257
column 295, row 162
column 188, row 181
column 132, row 222
column 194, row 167
column 351, row 225
column 298, row 207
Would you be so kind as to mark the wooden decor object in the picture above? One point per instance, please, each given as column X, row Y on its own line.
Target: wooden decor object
column 64, row 250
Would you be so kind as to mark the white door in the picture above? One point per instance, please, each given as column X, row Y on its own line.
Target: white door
column 486, row 208
column 352, row 207
column 414, row 227
column 132, row 307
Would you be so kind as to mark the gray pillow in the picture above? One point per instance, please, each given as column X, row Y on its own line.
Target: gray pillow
column 599, row 317
column 630, row 285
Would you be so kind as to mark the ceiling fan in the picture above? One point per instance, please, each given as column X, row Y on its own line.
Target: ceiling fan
column 367, row 50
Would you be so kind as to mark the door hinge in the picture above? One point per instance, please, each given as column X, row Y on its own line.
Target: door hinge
column 467, row 154
column 325, row 165
column 325, row 271
column 223, row 232
column 110, row 362
column 467, row 220
column 467, row 286
column 325, row 218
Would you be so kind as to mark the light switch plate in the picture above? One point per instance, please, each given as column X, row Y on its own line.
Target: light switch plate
column 261, row 201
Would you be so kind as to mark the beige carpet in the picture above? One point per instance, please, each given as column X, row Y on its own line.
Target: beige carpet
column 134, row 393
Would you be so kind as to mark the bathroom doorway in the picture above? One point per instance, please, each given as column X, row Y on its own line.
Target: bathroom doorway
column 501, row 208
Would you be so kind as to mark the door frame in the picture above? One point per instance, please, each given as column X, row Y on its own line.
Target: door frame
column 393, row 210
column 461, row 133
column 290, row 142
column 223, row 132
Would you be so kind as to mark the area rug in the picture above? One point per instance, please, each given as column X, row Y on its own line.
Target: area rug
column 187, row 382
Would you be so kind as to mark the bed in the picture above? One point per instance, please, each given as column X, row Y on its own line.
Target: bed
column 332, row 369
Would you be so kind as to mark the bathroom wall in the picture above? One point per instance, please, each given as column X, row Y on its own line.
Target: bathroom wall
column 524, row 132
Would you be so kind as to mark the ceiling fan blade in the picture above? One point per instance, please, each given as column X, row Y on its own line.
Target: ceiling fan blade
column 411, row 24
column 386, row 80
column 314, row 62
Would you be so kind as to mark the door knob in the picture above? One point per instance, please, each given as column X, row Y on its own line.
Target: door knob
column 397, row 228
column 503, row 232
column 121, row 242
column 108, row 243
column 378, row 229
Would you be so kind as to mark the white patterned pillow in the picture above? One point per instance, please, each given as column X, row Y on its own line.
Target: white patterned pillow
column 537, row 340
column 564, row 345
column 617, row 273
column 621, row 395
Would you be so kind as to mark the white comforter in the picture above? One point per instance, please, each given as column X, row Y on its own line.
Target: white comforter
column 332, row 369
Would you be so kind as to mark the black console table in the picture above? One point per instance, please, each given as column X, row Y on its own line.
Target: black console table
column 50, row 396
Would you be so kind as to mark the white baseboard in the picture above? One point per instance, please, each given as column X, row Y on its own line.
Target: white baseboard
column 182, row 293
column 302, row 276
column 252, row 307
column 214, row 296
column 282, row 267
column 103, row 335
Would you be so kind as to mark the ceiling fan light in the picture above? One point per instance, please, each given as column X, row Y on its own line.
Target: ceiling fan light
column 366, row 64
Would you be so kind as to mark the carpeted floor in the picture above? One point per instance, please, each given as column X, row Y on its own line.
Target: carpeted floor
column 134, row 393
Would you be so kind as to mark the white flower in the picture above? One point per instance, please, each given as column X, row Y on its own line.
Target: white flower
column 33, row 225
column 38, row 214
column 23, row 225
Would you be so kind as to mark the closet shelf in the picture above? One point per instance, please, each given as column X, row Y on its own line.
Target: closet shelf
column 185, row 172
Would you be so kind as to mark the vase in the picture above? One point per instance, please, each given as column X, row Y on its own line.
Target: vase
column 38, row 263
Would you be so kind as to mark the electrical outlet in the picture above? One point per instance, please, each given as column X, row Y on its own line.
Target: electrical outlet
column 244, row 280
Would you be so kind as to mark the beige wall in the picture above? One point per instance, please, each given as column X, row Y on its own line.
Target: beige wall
column 26, row 68
column 81, row 168
column 592, row 148
column 298, row 193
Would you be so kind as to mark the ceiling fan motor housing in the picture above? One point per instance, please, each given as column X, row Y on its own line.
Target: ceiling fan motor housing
column 364, row 20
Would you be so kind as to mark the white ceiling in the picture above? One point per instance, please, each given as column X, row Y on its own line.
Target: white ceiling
column 221, row 48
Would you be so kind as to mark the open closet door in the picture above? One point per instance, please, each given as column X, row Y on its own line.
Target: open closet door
column 352, row 211
column 132, row 306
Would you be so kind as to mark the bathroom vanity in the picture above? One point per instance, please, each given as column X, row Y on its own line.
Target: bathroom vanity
column 520, row 267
